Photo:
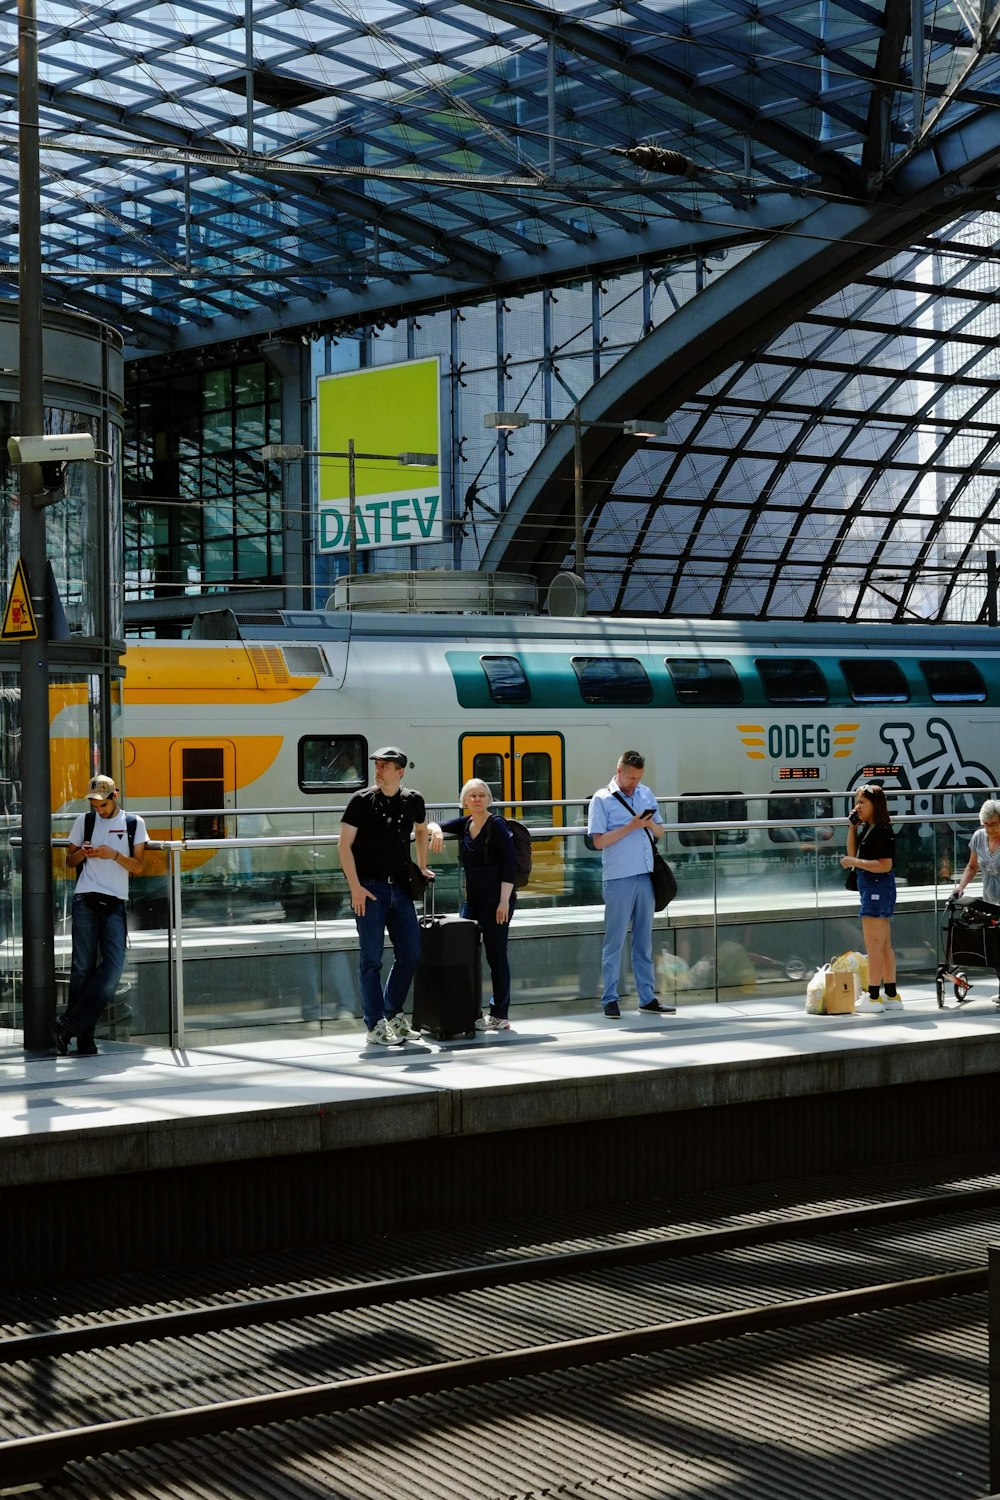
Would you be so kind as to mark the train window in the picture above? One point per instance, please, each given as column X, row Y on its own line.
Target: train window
column 536, row 785
column 791, row 679
column 875, row 680
column 203, row 785
column 333, row 763
column 506, row 678
column 725, row 808
column 612, row 679
column 488, row 766
column 952, row 681
column 796, row 811
column 698, row 681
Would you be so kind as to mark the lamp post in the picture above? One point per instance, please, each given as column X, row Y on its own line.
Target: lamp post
column 509, row 421
column 38, row 942
column 293, row 452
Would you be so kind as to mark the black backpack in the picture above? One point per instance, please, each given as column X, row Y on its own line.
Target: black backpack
column 521, row 835
column 88, row 833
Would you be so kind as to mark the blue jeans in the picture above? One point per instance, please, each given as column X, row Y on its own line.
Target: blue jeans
column 98, row 959
column 628, row 900
column 391, row 911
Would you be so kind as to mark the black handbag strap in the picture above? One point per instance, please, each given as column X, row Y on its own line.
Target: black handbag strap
column 624, row 804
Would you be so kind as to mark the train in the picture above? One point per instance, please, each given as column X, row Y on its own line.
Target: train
column 281, row 710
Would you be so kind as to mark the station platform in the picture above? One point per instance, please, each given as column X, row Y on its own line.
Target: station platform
column 141, row 1110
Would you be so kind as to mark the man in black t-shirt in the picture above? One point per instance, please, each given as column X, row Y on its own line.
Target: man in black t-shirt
column 375, row 855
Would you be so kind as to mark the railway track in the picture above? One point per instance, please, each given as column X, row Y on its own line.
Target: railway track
column 172, row 1376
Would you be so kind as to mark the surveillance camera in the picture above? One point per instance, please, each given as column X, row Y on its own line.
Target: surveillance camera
column 64, row 447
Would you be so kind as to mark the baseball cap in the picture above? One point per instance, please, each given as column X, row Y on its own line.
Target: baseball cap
column 101, row 788
column 390, row 752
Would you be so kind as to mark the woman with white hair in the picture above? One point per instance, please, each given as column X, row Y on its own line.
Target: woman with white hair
column 486, row 854
column 984, row 854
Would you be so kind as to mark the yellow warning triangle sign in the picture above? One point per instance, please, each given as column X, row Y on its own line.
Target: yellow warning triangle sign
column 19, row 617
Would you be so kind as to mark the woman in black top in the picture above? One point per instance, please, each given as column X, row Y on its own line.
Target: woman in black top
column 486, row 854
column 871, row 850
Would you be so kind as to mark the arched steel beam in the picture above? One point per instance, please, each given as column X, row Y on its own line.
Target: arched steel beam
column 825, row 250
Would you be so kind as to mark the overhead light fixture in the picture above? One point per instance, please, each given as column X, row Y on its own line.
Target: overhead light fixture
column 506, row 421
column 417, row 460
column 643, row 427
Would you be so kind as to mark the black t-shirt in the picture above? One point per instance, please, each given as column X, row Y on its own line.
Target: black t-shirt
column 381, row 847
column 876, row 842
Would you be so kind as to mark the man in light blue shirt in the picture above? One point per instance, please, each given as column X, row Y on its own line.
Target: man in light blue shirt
column 623, row 817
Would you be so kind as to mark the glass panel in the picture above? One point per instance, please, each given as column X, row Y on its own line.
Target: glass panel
column 952, row 681
column 790, row 679
column 506, row 678
column 612, row 679
column 875, row 681
column 337, row 762
column 699, row 681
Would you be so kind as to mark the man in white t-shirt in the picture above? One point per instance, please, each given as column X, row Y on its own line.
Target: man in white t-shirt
column 105, row 857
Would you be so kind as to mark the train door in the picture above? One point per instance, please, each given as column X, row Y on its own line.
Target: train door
column 520, row 768
column 202, row 783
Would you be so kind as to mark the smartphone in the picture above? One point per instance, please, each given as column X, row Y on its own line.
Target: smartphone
column 648, row 812
column 854, row 816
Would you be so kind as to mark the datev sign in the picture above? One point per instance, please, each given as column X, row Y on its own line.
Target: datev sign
column 391, row 409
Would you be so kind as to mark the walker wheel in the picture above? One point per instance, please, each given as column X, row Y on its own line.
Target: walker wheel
column 962, row 987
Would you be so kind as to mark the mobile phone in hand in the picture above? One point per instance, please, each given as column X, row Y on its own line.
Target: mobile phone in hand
column 648, row 812
column 854, row 816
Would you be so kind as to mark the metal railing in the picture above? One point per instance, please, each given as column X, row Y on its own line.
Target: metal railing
column 282, row 896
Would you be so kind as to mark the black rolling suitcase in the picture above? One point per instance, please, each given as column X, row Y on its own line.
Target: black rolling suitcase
column 448, row 985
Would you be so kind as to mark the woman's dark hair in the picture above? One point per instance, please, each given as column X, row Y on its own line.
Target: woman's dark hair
column 876, row 796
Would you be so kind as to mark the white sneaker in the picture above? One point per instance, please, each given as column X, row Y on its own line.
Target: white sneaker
column 384, row 1034
column 496, row 1023
column 866, row 1005
column 404, row 1031
column 892, row 1002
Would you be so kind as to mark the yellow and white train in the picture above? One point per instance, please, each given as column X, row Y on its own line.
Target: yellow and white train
column 282, row 711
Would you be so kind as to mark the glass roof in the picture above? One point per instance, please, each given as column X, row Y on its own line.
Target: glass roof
column 213, row 170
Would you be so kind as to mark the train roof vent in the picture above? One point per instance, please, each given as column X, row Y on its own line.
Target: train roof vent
column 305, row 661
column 269, row 666
column 439, row 591
column 234, row 625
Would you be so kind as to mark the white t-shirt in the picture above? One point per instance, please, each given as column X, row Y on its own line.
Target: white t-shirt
column 108, row 876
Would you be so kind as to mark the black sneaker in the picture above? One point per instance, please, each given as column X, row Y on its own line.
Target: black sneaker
column 86, row 1046
column 656, row 1008
column 612, row 1012
column 60, row 1039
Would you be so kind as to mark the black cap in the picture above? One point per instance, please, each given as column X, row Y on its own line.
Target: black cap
column 390, row 752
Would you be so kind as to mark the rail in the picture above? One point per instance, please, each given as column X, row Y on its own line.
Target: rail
column 761, row 901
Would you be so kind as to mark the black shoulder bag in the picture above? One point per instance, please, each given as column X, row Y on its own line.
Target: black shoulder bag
column 662, row 876
column 416, row 880
column 851, row 878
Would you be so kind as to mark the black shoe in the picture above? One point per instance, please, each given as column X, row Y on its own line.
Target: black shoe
column 655, row 1008
column 612, row 1012
column 60, row 1039
column 86, row 1046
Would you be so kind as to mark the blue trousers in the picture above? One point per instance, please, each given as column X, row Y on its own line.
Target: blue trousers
column 98, row 959
column 391, row 911
column 628, row 900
